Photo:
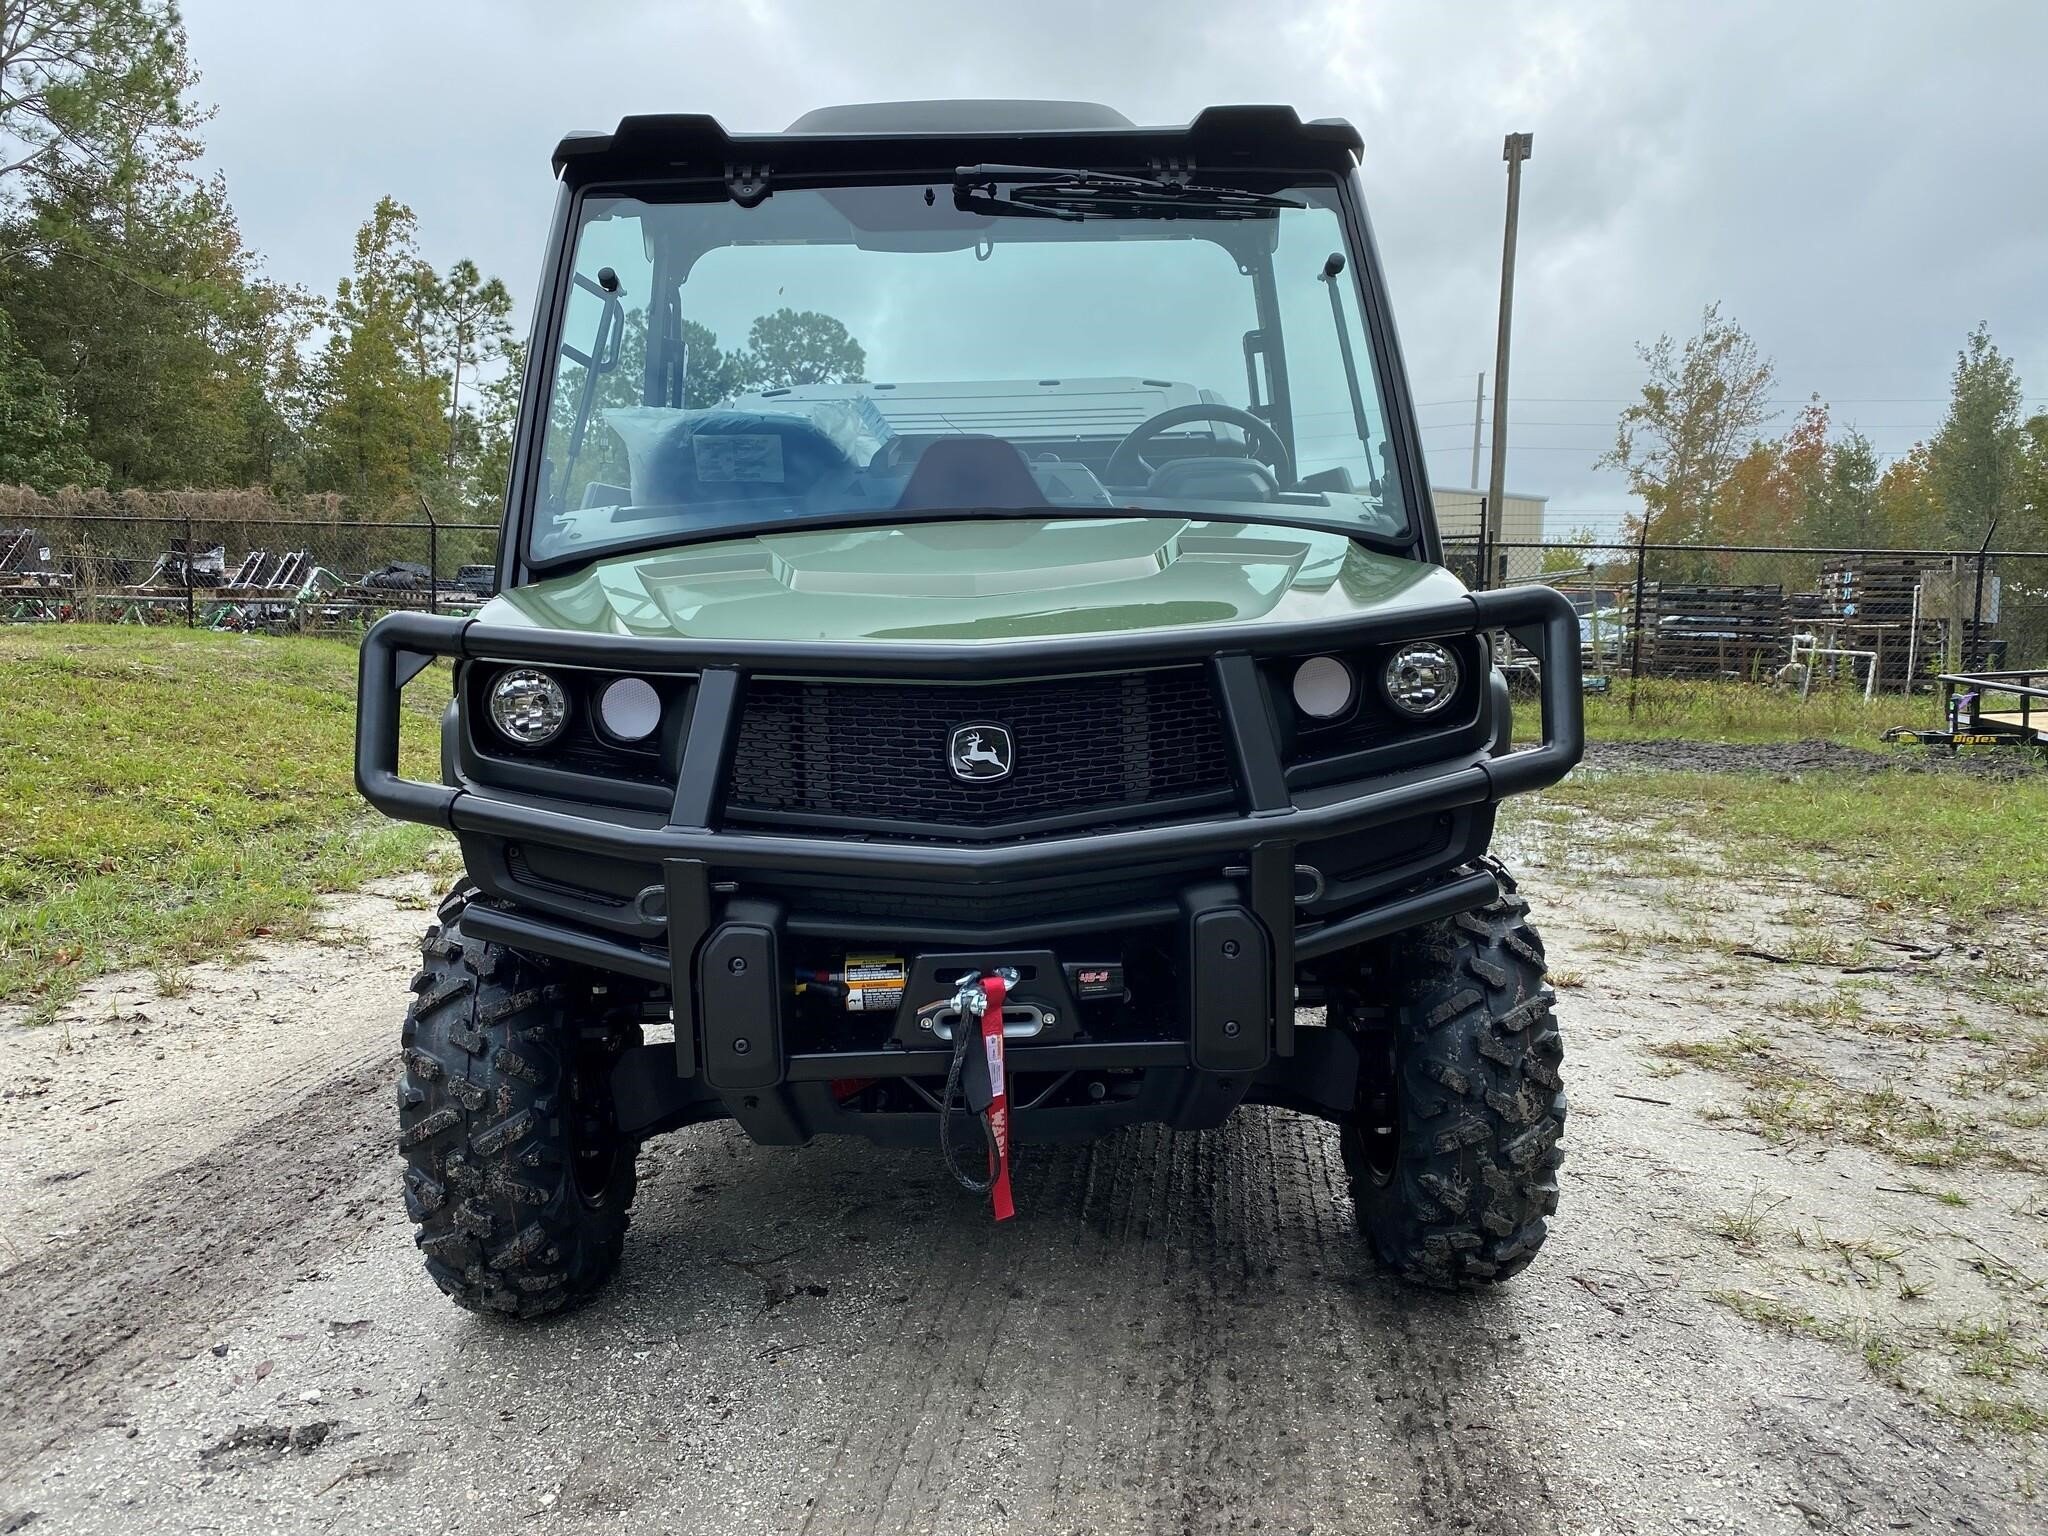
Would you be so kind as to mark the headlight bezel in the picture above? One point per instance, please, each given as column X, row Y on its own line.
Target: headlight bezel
column 1373, row 735
column 585, row 761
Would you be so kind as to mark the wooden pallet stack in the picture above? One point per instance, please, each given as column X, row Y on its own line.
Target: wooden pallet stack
column 1803, row 610
column 1867, row 605
column 1714, row 631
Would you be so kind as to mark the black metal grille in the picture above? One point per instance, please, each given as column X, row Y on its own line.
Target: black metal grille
column 1116, row 744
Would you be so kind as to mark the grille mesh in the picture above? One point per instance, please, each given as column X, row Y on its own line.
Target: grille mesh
column 877, row 751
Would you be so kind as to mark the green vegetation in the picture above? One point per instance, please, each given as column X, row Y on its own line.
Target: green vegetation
column 1747, row 1227
column 1672, row 709
column 1789, row 1100
column 1906, row 1358
column 1682, row 709
column 142, row 346
column 1884, row 1354
column 149, row 350
column 41, row 441
column 1692, row 445
column 1936, row 844
column 166, row 795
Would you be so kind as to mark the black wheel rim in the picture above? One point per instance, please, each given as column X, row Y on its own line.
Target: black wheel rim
column 1379, row 1115
column 594, row 1146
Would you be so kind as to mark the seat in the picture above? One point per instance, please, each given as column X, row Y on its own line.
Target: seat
column 971, row 470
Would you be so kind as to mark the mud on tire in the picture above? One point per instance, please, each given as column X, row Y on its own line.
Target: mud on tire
column 518, row 1182
column 1454, row 1171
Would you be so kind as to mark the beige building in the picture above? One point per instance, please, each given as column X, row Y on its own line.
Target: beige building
column 1457, row 515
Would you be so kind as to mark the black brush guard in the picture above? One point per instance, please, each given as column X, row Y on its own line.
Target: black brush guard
column 721, row 959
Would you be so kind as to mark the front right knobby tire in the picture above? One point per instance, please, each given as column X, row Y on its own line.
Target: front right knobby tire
column 514, row 1170
column 1453, row 1151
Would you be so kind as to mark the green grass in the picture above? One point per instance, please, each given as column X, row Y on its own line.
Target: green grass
column 1978, row 1351
column 1672, row 709
column 166, row 795
column 1883, row 1353
column 1927, row 844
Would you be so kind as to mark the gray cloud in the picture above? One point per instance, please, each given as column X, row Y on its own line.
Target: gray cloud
column 1858, row 183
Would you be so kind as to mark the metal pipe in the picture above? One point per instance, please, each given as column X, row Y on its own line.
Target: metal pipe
column 1913, row 641
column 1814, row 650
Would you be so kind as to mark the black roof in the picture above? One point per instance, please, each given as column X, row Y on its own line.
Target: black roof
column 920, row 134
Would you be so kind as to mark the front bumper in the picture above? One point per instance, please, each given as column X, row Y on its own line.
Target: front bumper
column 718, row 894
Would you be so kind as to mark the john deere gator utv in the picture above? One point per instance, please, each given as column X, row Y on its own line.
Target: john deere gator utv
column 970, row 666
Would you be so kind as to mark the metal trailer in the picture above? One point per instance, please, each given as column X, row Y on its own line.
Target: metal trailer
column 1969, row 724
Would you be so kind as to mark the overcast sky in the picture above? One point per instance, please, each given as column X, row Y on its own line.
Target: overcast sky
column 1858, row 184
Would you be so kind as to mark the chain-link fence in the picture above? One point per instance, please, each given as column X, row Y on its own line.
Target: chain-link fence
column 1883, row 621
column 1878, row 620
column 229, row 562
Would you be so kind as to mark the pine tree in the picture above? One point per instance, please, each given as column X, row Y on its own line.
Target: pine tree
column 378, row 427
column 88, row 88
column 1844, row 514
column 1975, row 459
column 475, row 329
column 42, row 445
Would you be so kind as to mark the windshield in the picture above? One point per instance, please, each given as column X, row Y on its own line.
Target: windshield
column 850, row 352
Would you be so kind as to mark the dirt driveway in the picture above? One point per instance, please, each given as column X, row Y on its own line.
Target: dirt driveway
column 213, row 1318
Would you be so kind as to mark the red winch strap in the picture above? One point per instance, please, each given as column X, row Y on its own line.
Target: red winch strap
column 997, row 991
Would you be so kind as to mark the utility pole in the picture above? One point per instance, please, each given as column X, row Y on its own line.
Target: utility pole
column 1478, row 410
column 1518, row 148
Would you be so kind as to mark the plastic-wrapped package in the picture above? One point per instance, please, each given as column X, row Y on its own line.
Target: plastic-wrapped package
column 856, row 424
column 769, row 450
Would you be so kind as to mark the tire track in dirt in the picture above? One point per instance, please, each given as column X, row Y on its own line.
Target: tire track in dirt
column 139, row 1284
column 869, row 1457
column 1180, row 1334
column 1226, row 1338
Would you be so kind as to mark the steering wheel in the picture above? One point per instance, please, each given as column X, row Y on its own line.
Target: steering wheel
column 1128, row 464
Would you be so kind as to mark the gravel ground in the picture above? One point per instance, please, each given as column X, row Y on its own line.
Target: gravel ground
column 213, row 1317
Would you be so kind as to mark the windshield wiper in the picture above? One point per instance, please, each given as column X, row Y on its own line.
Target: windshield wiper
column 1050, row 192
column 687, row 529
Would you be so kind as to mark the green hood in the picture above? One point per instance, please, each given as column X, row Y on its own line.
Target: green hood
column 998, row 578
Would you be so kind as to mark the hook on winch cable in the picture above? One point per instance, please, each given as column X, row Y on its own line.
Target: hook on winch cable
column 976, row 1076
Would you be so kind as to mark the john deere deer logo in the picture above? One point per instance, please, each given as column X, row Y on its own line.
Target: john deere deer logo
column 981, row 752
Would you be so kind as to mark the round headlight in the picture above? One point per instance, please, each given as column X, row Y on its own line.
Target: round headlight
column 529, row 707
column 629, row 709
column 1421, row 678
column 1323, row 687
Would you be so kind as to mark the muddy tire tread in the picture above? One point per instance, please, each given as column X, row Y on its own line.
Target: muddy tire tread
column 1479, row 1062
column 481, row 1115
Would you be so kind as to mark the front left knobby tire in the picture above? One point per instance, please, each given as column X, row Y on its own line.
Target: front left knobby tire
column 514, row 1169
column 1453, row 1147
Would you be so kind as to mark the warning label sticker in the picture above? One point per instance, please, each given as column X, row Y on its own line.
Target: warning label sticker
column 738, row 456
column 874, row 983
